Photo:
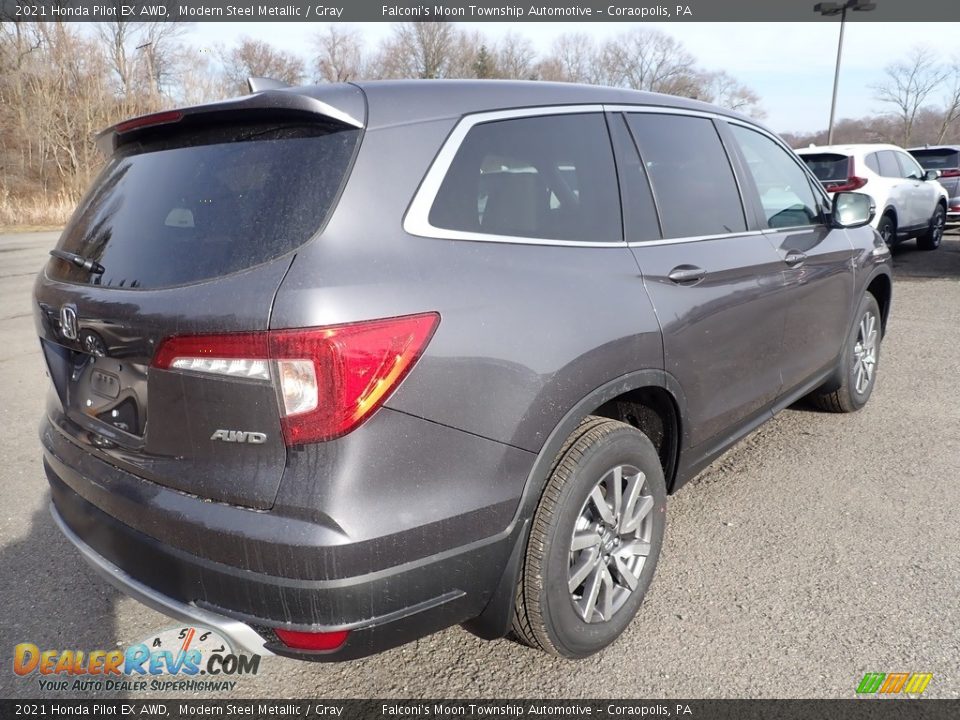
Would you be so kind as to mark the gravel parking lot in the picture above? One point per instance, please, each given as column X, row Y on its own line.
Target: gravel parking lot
column 820, row 548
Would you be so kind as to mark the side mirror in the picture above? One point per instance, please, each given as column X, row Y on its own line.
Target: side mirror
column 932, row 175
column 852, row 210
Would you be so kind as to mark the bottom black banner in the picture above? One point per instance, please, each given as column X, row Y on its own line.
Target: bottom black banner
column 854, row 709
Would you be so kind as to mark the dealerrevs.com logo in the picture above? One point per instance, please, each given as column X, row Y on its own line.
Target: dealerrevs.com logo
column 183, row 659
column 886, row 684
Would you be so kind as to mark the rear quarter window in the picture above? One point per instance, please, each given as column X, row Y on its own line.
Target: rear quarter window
column 549, row 177
column 198, row 205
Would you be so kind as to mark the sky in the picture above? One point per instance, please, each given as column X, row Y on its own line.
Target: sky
column 789, row 65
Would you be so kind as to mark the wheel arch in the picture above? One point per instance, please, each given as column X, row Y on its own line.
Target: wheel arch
column 657, row 386
column 881, row 287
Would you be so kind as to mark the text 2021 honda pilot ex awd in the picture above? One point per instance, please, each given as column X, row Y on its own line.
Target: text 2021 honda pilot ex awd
column 336, row 367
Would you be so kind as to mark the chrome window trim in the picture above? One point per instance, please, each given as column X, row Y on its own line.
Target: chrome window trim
column 663, row 110
column 416, row 220
column 695, row 238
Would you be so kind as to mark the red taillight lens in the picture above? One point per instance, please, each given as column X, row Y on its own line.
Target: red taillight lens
column 160, row 118
column 952, row 172
column 851, row 183
column 354, row 367
column 328, row 379
column 312, row 640
column 848, row 185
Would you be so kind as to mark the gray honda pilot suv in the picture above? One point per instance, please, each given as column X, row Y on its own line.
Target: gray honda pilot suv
column 336, row 367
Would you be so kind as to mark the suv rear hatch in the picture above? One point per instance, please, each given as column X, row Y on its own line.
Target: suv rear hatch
column 947, row 161
column 836, row 172
column 188, row 230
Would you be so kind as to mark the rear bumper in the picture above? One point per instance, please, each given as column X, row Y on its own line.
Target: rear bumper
column 241, row 636
column 381, row 608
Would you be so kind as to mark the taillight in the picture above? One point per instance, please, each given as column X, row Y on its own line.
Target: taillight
column 952, row 172
column 299, row 640
column 328, row 379
column 853, row 182
column 160, row 118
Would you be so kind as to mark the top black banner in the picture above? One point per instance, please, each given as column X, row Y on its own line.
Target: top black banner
column 479, row 11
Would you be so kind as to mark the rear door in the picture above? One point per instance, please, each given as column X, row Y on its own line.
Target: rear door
column 817, row 260
column 716, row 284
column 193, row 226
column 901, row 193
column 923, row 193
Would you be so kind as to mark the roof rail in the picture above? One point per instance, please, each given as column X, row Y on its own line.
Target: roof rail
column 258, row 84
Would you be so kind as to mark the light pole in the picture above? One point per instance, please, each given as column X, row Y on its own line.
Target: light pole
column 828, row 9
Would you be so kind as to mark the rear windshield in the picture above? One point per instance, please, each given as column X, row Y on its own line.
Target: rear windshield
column 200, row 205
column 937, row 159
column 828, row 166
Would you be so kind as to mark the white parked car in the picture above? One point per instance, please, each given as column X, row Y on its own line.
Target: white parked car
column 910, row 201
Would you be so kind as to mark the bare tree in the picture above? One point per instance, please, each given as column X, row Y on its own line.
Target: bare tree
column 951, row 102
column 721, row 88
column 574, row 57
column 147, row 59
column 907, row 86
column 417, row 50
column 116, row 37
column 256, row 58
column 645, row 59
column 339, row 54
column 166, row 57
column 514, row 58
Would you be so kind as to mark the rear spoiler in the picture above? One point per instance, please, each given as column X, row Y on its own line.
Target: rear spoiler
column 341, row 103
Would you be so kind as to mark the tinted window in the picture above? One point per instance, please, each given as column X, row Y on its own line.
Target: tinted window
column 550, row 177
column 908, row 166
column 888, row 164
column 941, row 159
column 784, row 188
column 693, row 183
column 873, row 163
column 188, row 208
column 639, row 213
column 828, row 166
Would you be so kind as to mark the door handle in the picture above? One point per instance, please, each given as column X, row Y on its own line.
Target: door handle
column 795, row 258
column 687, row 274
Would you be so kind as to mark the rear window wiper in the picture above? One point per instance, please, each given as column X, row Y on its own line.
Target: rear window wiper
column 88, row 264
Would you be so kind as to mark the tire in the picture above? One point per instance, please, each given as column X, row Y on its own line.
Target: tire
column 887, row 229
column 553, row 610
column 855, row 388
column 930, row 240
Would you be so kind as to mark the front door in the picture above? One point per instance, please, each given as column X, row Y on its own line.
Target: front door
column 817, row 260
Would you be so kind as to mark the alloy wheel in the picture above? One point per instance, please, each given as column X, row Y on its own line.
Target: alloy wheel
column 610, row 543
column 936, row 232
column 865, row 352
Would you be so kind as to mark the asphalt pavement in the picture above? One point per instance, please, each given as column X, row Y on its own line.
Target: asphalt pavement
column 820, row 548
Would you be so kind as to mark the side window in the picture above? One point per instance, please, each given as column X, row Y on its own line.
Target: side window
column 888, row 164
column 784, row 187
column 873, row 163
column 693, row 183
column 550, row 177
column 639, row 213
column 910, row 168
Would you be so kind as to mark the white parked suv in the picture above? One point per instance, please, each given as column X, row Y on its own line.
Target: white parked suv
column 910, row 201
